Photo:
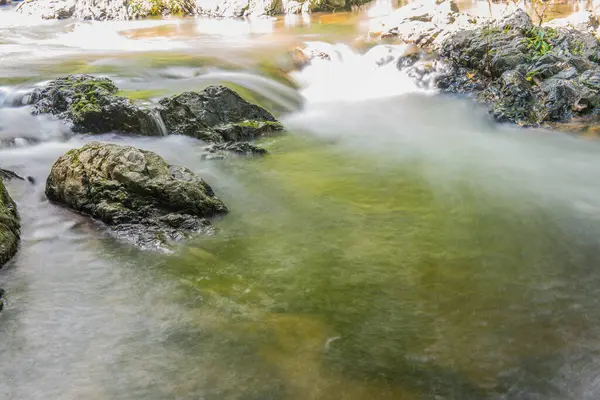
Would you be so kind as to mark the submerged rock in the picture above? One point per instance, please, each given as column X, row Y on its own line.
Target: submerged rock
column 222, row 150
column 216, row 114
column 92, row 106
column 136, row 192
column 9, row 226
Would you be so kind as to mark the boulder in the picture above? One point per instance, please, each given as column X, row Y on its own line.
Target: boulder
column 216, row 114
column 136, row 192
column 91, row 105
column 9, row 226
column 425, row 23
column 222, row 150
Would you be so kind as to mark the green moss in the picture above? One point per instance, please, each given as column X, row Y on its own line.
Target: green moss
column 141, row 94
column 9, row 226
column 576, row 48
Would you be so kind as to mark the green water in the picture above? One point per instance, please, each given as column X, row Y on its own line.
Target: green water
column 334, row 279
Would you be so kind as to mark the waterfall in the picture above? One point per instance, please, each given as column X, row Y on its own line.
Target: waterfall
column 153, row 124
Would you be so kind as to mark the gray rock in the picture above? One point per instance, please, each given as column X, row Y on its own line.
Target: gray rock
column 561, row 98
column 9, row 226
column 6, row 174
column 222, row 150
column 526, row 74
column 106, row 9
column 136, row 192
column 516, row 102
column 216, row 114
column 91, row 105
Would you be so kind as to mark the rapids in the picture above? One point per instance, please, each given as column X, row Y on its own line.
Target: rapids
column 395, row 244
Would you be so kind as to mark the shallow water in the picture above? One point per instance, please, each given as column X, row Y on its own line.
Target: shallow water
column 395, row 244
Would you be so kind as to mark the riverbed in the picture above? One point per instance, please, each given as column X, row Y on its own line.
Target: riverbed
column 394, row 244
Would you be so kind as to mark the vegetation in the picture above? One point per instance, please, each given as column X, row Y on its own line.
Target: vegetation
column 539, row 40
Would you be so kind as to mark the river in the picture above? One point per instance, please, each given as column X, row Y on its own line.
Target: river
column 395, row 244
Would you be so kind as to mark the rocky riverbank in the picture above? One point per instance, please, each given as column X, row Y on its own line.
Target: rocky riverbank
column 137, row 9
column 525, row 73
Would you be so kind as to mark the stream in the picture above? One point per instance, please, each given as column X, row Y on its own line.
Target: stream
column 394, row 244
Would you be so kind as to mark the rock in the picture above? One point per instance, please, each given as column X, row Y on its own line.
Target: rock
column 135, row 9
column 136, row 192
column 2, row 294
column 518, row 21
column 216, row 114
column 48, row 9
column 526, row 74
column 9, row 226
column 515, row 101
column 238, row 8
column 8, row 175
column 92, row 106
column 221, row 150
column 425, row 23
column 106, row 9
column 561, row 98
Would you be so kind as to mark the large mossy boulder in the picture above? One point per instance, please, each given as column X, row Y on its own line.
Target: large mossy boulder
column 216, row 114
column 9, row 226
column 136, row 192
column 91, row 104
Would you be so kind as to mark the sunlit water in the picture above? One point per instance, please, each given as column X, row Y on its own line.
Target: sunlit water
column 395, row 244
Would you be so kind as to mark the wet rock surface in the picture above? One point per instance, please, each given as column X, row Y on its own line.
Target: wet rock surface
column 91, row 105
column 223, row 150
column 526, row 74
column 217, row 114
column 104, row 10
column 135, row 9
column 9, row 226
column 136, row 192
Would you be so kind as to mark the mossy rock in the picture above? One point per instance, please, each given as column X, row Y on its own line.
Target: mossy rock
column 136, row 192
column 92, row 105
column 9, row 226
column 216, row 114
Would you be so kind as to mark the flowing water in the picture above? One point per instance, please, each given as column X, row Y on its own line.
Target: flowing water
column 395, row 244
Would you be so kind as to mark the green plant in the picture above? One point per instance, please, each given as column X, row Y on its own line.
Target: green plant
column 576, row 48
column 538, row 40
column 532, row 75
column 489, row 29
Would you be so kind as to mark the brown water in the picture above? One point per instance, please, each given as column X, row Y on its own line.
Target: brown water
column 395, row 244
